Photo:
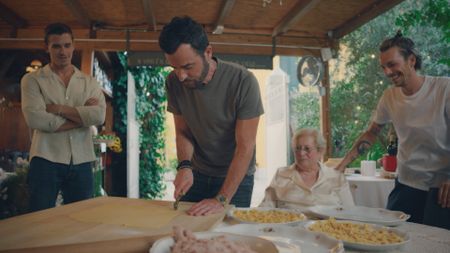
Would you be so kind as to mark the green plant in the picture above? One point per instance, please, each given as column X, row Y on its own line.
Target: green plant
column 150, row 113
column 14, row 193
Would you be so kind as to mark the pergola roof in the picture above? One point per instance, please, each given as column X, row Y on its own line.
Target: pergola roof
column 263, row 27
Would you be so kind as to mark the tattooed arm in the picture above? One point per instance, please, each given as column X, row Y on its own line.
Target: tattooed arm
column 361, row 145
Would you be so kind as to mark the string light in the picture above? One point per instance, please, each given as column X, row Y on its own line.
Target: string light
column 267, row 2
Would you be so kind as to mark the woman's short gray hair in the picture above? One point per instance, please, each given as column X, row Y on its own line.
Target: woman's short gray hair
column 318, row 138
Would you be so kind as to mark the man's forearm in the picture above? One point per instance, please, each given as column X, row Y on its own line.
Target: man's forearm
column 364, row 142
column 237, row 171
column 71, row 114
column 68, row 125
column 185, row 149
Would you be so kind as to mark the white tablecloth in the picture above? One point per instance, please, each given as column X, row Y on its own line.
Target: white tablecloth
column 370, row 191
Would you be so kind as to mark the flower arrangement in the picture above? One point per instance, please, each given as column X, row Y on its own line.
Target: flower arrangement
column 112, row 141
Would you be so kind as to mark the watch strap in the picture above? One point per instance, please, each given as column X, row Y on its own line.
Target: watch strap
column 184, row 164
column 222, row 199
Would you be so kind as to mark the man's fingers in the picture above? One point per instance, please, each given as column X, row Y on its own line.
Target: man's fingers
column 205, row 207
column 444, row 195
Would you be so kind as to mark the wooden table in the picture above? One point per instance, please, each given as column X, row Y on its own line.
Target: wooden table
column 95, row 226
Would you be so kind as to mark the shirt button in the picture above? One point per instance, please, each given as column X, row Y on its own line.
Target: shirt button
column 67, row 98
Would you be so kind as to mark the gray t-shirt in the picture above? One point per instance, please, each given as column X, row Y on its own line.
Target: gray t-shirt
column 211, row 113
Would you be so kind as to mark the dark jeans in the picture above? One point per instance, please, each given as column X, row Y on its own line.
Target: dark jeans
column 421, row 205
column 46, row 178
column 206, row 187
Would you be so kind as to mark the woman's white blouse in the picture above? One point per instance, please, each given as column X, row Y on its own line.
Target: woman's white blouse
column 287, row 189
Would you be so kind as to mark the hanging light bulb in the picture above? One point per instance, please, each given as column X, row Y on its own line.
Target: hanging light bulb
column 34, row 65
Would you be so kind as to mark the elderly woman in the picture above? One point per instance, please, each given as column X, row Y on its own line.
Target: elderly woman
column 307, row 182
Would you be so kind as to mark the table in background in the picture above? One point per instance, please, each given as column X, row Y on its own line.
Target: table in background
column 370, row 191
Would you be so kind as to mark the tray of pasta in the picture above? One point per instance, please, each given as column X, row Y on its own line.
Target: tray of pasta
column 266, row 215
column 359, row 235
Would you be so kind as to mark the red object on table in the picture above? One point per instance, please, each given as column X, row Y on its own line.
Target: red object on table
column 389, row 162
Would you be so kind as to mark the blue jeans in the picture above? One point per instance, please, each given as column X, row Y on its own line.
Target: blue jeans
column 46, row 179
column 206, row 187
column 421, row 205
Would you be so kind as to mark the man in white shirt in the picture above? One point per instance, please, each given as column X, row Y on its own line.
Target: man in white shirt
column 419, row 108
column 60, row 103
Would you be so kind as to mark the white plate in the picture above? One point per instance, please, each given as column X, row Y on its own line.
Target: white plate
column 257, row 244
column 361, row 213
column 231, row 214
column 289, row 239
column 371, row 247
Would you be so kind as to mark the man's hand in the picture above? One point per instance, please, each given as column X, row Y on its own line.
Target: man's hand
column 91, row 101
column 206, row 207
column 183, row 181
column 444, row 195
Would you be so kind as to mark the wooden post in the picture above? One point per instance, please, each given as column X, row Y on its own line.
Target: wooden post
column 87, row 61
column 325, row 125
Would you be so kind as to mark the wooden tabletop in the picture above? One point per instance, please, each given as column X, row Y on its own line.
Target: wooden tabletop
column 105, row 224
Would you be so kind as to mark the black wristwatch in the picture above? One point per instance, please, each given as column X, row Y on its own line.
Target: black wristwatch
column 222, row 199
column 184, row 164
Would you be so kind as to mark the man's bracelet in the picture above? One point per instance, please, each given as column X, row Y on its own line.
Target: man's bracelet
column 184, row 164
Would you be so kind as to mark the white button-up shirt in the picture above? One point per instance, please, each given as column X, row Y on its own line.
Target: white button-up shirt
column 45, row 87
column 288, row 190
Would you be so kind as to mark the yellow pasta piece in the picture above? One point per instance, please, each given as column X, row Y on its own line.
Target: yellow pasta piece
column 269, row 216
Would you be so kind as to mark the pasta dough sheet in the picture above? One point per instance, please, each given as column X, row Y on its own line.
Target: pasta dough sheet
column 132, row 216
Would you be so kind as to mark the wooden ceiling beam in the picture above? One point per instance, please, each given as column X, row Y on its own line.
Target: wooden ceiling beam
column 369, row 13
column 149, row 15
column 120, row 45
column 299, row 11
column 79, row 12
column 224, row 12
column 11, row 17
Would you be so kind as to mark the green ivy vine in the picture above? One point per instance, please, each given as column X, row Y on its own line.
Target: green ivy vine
column 150, row 113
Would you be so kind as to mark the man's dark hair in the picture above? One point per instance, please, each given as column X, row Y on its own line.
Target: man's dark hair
column 406, row 47
column 183, row 30
column 58, row 29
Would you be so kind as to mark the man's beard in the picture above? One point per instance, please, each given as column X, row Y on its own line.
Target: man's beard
column 197, row 84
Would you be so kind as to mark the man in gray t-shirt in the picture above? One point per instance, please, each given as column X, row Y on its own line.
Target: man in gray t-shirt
column 216, row 107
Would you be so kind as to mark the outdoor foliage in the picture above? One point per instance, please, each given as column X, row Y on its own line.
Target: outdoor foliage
column 150, row 113
column 14, row 195
column 355, row 97
column 304, row 110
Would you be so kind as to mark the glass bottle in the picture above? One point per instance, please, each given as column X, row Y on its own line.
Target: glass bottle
column 392, row 147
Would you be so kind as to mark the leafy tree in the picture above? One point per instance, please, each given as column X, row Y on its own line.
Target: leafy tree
column 354, row 98
column 304, row 110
